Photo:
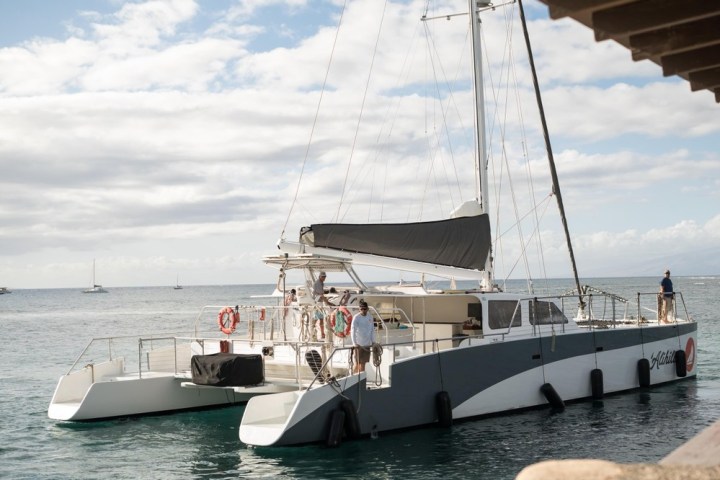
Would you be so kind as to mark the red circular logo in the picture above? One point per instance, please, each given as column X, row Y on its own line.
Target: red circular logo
column 690, row 354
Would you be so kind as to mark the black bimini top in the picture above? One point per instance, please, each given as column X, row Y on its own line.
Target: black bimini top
column 462, row 242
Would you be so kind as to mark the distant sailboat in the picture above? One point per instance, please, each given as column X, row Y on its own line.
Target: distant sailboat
column 95, row 288
column 177, row 283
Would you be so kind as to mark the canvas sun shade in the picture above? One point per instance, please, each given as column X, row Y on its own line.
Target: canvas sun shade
column 458, row 242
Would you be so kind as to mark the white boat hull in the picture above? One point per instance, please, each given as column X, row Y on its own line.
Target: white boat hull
column 483, row 379
column 134, row 396
column 103, row 390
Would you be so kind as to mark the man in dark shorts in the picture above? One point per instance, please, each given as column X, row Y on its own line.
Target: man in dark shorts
column 362, row 334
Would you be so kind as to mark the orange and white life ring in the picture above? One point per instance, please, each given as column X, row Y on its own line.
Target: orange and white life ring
column 232, row 320
column 261, row 314
column 341, row 320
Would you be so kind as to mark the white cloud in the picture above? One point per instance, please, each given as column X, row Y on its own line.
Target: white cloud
column 155, row 142
column 594, row 113
column 141, row 25
column 246, row 8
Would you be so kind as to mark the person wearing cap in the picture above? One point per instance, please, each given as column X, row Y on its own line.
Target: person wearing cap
column 362, row 334
column 319, row 296
column 666, row 289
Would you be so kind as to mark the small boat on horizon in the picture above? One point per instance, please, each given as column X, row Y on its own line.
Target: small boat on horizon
column 95, row 288
column 4, row 290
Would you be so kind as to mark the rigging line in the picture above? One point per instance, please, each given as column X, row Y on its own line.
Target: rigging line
column 317, row 114
column 362, row 109
column 427, row 180
column 531, row 184
column 363, row 178
column 404, row 73
column 551, row 159
column 491, row 164
column 430, row 149
column 450, row 101
column 426, row 97
column 382, row 140
column 513, row 77
column 372, row 192
column 444, row 108
column 513, row 196
column 524, row 246
column 454, row 103
column 528, row 213
column 508, row 68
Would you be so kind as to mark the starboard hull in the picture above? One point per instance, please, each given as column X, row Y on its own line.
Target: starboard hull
column 479, row 380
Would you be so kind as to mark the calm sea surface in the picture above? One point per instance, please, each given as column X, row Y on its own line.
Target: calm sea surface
column 44, row 331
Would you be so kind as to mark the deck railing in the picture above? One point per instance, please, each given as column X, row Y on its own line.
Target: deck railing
column 264, row 327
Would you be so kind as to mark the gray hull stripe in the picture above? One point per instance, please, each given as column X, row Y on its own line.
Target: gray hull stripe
column 465, row 372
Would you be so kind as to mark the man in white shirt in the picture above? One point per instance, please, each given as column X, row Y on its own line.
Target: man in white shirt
column 362, row 334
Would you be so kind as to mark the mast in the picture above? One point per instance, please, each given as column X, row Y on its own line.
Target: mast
column 551, row 159
column 481, row 180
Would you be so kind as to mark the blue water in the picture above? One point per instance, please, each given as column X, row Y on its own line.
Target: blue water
column 44, row 331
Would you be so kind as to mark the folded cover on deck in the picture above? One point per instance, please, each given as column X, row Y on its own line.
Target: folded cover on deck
column 227, row 369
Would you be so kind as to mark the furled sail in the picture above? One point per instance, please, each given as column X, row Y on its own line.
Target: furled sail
column 458, row 242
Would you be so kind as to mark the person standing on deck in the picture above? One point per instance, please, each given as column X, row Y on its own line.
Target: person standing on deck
column 319, row 296
column 666, row 289
column 362, row 334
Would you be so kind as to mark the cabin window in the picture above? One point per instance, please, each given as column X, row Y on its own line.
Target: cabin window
column 546, row 313
column 501, row 313
column 474, row 310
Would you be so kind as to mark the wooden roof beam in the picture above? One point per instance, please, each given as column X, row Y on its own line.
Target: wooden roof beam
column 565, row 8
column 702, row 79
column 647, row 15
column 699, row 33
column 690, row 61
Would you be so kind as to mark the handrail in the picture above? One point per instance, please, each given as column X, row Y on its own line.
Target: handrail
column 392, row 346
column 119, row 345
column 240, row 308
column 376, row 315
column 72, row 367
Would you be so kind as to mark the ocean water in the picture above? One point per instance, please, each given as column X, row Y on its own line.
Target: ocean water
column 44, row 331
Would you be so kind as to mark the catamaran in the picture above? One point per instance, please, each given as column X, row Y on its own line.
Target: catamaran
column 442, row 352
column 456, row 354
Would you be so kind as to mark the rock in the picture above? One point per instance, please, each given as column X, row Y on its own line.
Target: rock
column 604, row 470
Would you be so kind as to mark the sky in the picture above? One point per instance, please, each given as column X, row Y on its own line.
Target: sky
column 166, row 139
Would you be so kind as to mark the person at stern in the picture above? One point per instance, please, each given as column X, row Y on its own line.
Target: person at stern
column 666, row 290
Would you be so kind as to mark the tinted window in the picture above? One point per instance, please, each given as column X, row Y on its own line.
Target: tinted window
column 546, row 313
column 502, row 312
column 475, row 311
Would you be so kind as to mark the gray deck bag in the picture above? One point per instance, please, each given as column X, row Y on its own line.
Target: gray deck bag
column 227, row 369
